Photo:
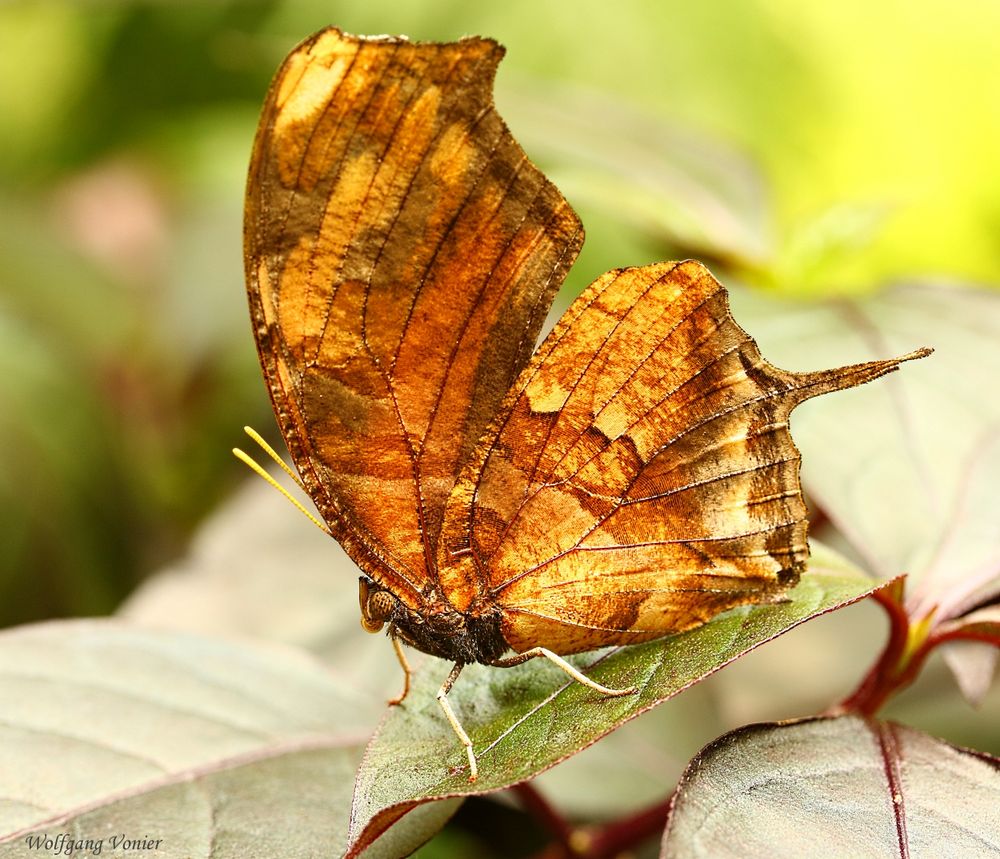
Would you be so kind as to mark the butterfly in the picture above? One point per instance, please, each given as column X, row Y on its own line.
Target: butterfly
column 631, row 478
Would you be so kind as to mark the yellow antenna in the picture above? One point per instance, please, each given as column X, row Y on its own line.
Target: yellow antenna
column 259, row 470
column 270, row 451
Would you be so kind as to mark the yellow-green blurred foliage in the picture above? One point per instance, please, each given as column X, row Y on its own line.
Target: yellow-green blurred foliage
column 126, row 361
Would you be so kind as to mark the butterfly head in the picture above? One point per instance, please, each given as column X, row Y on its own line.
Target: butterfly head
column 378, row 606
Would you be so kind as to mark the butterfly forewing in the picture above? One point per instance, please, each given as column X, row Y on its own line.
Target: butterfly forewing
column 401, row 253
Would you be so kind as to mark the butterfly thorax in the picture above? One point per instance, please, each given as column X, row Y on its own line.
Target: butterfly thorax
column 434, row 627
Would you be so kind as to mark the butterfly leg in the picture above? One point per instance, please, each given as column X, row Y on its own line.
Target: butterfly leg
column 517, row 659
column 404, row 664
column 456, row 726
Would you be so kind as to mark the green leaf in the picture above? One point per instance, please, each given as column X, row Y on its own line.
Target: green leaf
column 219, row 749
column 526, row 719
column 845, row 787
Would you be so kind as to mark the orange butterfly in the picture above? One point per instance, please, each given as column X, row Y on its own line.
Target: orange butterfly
column 630, row 479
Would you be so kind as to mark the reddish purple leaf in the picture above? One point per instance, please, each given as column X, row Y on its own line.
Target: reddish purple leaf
column 834, row 787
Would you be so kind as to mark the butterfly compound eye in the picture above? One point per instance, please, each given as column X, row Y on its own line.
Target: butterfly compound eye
column 376, row 606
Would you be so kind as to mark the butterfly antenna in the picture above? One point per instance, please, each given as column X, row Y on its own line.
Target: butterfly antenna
column 271, row 452
column 258, row 469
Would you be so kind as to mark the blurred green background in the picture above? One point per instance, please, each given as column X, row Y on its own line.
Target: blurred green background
column 829, row 148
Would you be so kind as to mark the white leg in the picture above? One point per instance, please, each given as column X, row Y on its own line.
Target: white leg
column 407, row 671
column 456, row 726
column 510, row 661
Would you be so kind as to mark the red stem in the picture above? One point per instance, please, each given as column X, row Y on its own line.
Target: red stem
column 602, row 842
column 882, row 678
column 966, row 635
column 895, row 669
column 615, row 838
column 533, row 802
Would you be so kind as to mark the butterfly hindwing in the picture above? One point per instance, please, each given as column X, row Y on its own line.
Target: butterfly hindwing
column 642, row 477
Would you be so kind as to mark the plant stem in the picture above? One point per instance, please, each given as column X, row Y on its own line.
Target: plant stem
column 616, row 837
column 910, row 643
column 533, row 802
column 893, row 669
column 603, row 842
